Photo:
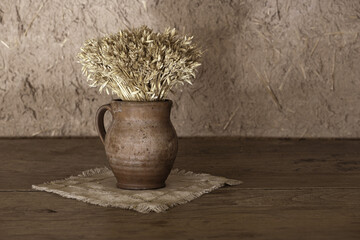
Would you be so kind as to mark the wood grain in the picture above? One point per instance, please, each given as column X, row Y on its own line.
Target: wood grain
column 230, row 213
column 293, row 189
column 272, row 163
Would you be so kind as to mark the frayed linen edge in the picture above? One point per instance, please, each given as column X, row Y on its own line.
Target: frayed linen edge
column 83, row 174
column 227, row 181
column 145, row 207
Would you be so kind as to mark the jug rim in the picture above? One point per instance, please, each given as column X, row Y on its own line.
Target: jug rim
column 118, row 100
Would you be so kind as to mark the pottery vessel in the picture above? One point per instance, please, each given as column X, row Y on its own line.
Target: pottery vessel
column 141, row 143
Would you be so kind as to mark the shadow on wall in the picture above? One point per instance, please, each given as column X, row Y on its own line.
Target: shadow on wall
column 204, row 108
column 271, row 68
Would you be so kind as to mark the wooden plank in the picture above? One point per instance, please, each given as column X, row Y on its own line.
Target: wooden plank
column 271, row 163
column 227, row 213
column 31, row 161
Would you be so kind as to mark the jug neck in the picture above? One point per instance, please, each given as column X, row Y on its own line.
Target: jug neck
column 151, row 110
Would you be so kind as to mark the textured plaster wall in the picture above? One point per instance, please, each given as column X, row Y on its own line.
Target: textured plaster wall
column 286, row 68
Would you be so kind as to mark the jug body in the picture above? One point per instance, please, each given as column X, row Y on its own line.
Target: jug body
column 141, row 143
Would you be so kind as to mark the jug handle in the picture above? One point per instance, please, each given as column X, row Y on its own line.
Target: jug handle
column 99, row 121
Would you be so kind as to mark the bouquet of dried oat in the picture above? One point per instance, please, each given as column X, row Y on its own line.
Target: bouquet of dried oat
column 139, row 64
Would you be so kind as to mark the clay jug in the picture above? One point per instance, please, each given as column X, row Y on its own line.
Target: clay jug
column 141, row 143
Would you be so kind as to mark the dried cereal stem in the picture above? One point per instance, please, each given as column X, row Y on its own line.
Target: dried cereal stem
column 315, row 46
column 268, row 88
column 231, row 117
column 333, row 70
column 33, row 19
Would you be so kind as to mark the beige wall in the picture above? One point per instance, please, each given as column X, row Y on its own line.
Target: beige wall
column 277, row 70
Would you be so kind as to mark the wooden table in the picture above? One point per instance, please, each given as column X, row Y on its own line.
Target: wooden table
column 293, row 189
